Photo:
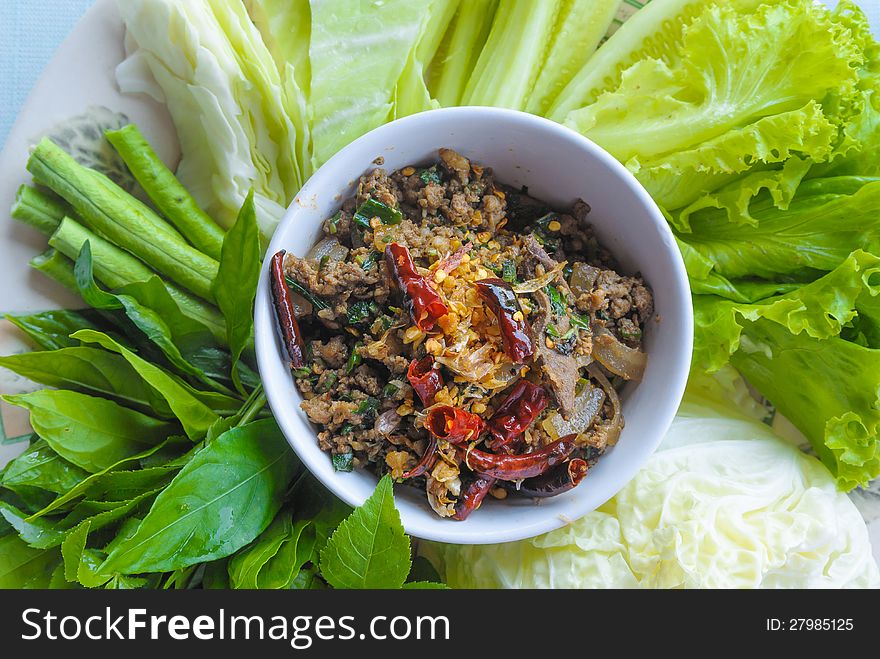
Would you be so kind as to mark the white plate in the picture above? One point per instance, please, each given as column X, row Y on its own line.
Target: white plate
column 79, row 77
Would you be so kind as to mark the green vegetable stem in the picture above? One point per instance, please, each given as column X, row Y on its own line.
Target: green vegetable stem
column 133, row 226
column 165, row 191
column 39, row 208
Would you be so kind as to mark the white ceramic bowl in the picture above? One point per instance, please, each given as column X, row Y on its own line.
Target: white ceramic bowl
column 558, row 166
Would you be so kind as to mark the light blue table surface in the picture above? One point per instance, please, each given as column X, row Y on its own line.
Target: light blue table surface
column 30, row 31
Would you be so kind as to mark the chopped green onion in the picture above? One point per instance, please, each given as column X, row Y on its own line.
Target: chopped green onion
column 389, row 390
column 310, row 297
column 508, row 272
column 369, row 404
column 329, row 382
column 430, row 175
column 354, row 359
column 636, row 334
column 557, row 302
column 372, row 208
column 343, row 461
column 303, row 372
column 323, row 262
column 580, row 321
column 370, row 260
column 395, row 309
column 333, row 223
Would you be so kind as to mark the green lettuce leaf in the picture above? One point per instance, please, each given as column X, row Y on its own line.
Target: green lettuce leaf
column 653, row 32
column 734, row 71
column 814, row 354
column 827, row 220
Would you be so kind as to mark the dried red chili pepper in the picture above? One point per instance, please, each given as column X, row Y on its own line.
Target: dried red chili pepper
column 421, row 301
column 516, row 413
column 429, row 457
column 472, row 496
column 561, row 478
column 515, row 334
column 283, row 302
column 425, row 379
column 453, row 424
column 517, row 467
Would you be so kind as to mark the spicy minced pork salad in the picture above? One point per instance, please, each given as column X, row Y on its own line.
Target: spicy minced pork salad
column 461, row 335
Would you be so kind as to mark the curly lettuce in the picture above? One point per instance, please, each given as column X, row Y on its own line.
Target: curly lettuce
column 743, row 89
column 815, row 354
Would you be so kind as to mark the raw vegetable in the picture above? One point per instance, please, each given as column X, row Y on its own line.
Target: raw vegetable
column 236, row 118
column 169, row 196
column 724, row 504
column 730, row 98
column 511, row 59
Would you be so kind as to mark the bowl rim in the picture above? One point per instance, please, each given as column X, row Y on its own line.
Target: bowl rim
column 267, row 346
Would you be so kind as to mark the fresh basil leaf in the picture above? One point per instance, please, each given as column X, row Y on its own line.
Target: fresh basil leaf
column 195, row 417
column 112, row 481
column 245, row 566
column 150, row 307
column 423, row 570
column 557, row 301
column 81, row 564
column 41, row 467
column 224, row 497
column 235, row 287
column 25, row 567
column 370, row 548
column 51, row 330
column 91, row 371
column 318, row 303
column 92, row 433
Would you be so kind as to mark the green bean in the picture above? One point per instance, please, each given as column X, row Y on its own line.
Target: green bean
column 166, row 192
column 116, row 268
column 54, row 264
column 114, row 214
column 41, row 209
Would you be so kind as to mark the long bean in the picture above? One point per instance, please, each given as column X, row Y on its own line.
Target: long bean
column 54, row 264
column 116, row 268
column 114, row 214
column 166, row 192
column 40, row 209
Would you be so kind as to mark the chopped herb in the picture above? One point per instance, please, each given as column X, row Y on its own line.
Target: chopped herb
column 323, row 262
column 314, row 300
column 601, row 315
column 333, row 223
column 367, row 409
column 557, row 302
column 430, row 175
column 395, row 309
column 389, row 390
column 566, row 271
column 343, row 461
column 346, row 428
column 372, row 208
column 361, row 311
column 303, row 372
column 385, row 322
column 634, row 334
column 508, row 272
column 370, row 260
column 580, row 321
column 329, row 382
column 552, row 332
column 387, row 238
column 354, row 359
